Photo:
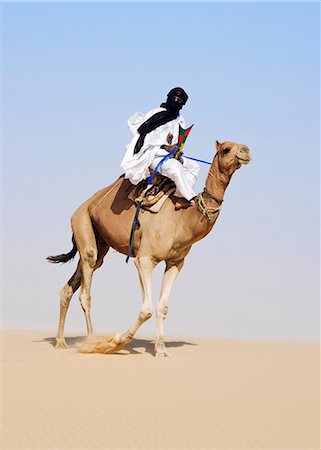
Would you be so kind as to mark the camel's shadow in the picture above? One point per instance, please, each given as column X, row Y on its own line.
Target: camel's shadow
column 136, row 346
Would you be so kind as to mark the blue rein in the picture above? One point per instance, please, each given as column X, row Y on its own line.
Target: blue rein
column 159, row 165
column 198, row 160
column 170, row 154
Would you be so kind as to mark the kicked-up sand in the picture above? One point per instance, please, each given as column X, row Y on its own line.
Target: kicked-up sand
column 211, row 394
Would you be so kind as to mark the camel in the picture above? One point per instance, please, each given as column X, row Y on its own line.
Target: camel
column 105, row 221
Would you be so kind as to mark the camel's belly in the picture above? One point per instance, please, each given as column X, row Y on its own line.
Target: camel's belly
column 150, row 239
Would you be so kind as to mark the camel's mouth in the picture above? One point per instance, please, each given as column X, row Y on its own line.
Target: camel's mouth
column 244, row 160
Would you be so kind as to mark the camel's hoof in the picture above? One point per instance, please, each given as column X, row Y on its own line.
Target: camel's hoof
column 162, row 353
column 61, row 343
column 120, row 338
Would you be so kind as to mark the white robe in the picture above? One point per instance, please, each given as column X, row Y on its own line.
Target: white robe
column 136, row 166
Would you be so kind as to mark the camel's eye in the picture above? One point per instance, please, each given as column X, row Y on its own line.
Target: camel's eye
column 226, row 150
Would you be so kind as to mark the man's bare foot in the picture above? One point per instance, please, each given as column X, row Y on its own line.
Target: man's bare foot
column 183, row 203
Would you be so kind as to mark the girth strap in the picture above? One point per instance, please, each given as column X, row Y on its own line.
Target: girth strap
column 132, row 232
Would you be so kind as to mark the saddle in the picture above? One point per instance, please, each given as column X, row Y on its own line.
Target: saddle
column 152, row 196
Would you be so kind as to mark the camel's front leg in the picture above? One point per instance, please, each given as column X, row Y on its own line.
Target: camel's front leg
column 112, row 344
column 145, row 266
column 170, row 275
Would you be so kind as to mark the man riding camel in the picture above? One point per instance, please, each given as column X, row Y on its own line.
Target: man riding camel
column 153, row 134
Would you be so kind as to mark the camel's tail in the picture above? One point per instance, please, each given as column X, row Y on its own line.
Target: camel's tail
column 64, row 257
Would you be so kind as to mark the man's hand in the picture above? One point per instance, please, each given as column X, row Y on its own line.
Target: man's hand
column 169, row 148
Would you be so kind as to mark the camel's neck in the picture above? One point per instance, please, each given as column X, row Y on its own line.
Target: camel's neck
column 216, row 182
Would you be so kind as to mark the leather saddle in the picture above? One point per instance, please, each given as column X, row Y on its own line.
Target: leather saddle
column 152, row 196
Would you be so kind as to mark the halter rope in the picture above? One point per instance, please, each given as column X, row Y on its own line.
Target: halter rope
column 207, row 211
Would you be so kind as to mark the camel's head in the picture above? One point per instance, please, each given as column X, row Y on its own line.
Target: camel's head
column 231, row 156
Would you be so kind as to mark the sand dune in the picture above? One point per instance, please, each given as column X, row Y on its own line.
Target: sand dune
column 211, row 394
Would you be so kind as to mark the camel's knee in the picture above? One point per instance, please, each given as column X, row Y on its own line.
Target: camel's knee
column 90, row 255
column 145, row 313
column 162, row 311
column 66, row 294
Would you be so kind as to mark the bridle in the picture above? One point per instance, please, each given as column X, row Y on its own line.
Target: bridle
column 209, row 212
column 218, row 200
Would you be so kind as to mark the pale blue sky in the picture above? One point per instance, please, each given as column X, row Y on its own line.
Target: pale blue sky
column 74, row 73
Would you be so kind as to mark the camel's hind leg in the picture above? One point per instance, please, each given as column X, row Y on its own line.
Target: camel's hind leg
column 88, row 266
column 87, row 247
column 90, row 259
column 66, row 294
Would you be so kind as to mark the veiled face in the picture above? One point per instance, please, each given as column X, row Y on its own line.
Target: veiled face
column 176, row 98
column 232, row 155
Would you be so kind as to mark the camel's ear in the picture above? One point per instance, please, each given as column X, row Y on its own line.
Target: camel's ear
column 218, row 146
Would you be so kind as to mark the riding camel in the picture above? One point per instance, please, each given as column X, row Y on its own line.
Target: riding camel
column 105, row 220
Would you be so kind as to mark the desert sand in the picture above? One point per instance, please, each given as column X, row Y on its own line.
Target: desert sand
column 211, row 394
